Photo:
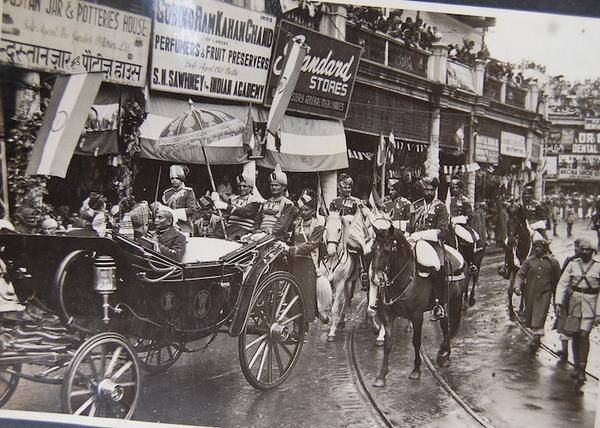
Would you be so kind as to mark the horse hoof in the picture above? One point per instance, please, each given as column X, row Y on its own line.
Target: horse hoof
column 415, row 375
column 379, row 342
column 379, row 382
column 442, row 359
column 331, row 338
column 472, row 301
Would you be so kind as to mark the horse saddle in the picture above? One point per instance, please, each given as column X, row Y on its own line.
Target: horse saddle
column 429, row 261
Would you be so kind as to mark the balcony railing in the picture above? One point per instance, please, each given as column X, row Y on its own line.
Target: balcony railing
column 515, row 96
column 492, row 88
column 460, row 76
column 387, row 50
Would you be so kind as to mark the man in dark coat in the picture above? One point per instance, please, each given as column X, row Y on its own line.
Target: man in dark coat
column 537, row 279
column 169, row 242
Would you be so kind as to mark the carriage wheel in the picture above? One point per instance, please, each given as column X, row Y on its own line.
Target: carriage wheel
column 103, row 379
column 9, row 379
column 155, row 358
column 270, row 343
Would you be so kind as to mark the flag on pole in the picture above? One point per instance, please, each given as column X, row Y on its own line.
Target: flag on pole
column 70, row 103
column 381, row 150
column 287, row 5
column 295, row 53
column 374, row 201
column 391, row 147
column 248, row 134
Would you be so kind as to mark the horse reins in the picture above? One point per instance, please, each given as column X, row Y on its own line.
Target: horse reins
column 389, row 283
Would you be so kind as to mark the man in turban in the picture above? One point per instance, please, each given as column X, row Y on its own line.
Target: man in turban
column 277, row 214
column 345, row 203
column 577, row 298
column 243, row 208
column 206, row 223
column 430, row 223
column 461, row 217
column 181, row 199
column 536, row 279
column 169, row 241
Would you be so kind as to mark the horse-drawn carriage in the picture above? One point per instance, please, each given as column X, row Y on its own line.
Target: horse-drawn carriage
column 101, row 310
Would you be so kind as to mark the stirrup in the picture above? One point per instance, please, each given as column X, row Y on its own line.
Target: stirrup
column 473, row 269
column 438, row 312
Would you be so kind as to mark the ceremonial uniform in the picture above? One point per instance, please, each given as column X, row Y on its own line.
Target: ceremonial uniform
column 400, row 210
column 536, row 216
column 276, row 216
column 345, row 206
column 243, row 211
column 432, row 216
column 208, row 228
column 460, row 205
column 183, row 203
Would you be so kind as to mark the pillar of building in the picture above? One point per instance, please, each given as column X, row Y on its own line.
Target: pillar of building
column 470, row 157
column 437, row 65
column 479, row 76
column 532, row 97
column 432, row 164
column 503, row 90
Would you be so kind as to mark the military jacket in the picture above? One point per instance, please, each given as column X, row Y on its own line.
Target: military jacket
column 534, row 211
column 460, row 205
column 276, row 216
column 345, row 206
column 399, row 208
column 580, row 282
column 431, row 216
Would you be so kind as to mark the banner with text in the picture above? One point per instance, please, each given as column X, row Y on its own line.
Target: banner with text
column 327, row 76
column 70, row 36
column 487, row 149
column 513, row 145
column 551, row 167
column 579, row 167
column 587, row 143
column 212, row 49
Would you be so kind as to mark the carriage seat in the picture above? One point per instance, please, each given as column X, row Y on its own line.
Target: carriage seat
column 207, row 249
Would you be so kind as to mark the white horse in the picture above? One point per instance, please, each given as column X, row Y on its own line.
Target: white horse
column 339, row 268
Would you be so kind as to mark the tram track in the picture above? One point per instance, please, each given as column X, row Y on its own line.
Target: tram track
column 368, row 396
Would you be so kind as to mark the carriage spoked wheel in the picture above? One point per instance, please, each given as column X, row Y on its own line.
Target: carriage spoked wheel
column 103, row 378
column 270, row 343
column 9, row 379
column 155, row 356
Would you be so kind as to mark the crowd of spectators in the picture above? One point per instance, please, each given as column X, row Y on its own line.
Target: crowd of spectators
column 576, row 99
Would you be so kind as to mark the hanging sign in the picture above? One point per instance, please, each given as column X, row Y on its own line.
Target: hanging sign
column 579, row 167
column 212, row 49
column 70, row 36
column 592, row 124
column 487, row 149
column 327, row 75
column 513, row 145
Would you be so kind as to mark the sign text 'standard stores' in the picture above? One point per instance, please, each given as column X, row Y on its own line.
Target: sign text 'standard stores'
column 217, row 24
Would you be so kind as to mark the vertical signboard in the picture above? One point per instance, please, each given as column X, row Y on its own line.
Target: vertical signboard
column 212, row 49
column 327, row 75
column 70, row 36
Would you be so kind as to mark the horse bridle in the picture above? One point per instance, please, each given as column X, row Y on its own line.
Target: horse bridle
column 337, row 253
column 387, row 283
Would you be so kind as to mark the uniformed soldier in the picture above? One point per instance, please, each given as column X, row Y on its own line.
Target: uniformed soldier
column 181, row 199
column 347, row 205
column 277, row 214
column 461, row 212
column 399, row 208
column 533, row 212
column 243, row 208
column 577, row 295
column 430, row 222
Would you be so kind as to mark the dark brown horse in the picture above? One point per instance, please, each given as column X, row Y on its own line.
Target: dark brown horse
column 404, row 292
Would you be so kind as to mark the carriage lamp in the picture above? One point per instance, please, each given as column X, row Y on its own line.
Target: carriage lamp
column 105, row 281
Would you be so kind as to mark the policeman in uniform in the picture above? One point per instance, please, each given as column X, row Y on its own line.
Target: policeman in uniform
column 276, row 215
column 431, row 222
column 347, row 205
column 243, row 208
column 577, row 297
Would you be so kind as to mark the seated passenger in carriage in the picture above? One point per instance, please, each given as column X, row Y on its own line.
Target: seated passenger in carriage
column 205, row 223
column 92, row 217
column 243, row 208
column 276, row 215
column 168, row 241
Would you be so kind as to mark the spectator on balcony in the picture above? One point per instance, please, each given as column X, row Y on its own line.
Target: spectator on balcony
column 409, row 32
column 466, row 55
column 452, row 51
column 393, row 24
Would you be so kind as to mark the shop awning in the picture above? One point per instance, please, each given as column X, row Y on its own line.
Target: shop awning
column 307, row 145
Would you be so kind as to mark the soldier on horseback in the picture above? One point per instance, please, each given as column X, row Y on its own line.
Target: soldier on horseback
column 533, row 212
column 461, row 213
column 347, row 206
column 430, row 225
column 398, row 207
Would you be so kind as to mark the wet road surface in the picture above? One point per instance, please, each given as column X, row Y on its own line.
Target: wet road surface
column 491, row 369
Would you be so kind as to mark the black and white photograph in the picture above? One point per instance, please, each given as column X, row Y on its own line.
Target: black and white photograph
column 269, row 213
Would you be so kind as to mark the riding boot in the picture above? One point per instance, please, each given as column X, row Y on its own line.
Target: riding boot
column 584, row 349
column 575, row 351
column 363, row 275
column 440, row 291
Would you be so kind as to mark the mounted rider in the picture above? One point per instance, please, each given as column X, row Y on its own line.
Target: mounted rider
column 276, row 215
column 243, row 208
column 461, row 215
column 430, row 225
column 347, row 206
column 399, row 209
column 533, row 212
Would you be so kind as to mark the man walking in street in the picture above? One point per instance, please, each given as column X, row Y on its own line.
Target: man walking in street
column 577, row 291
column 537, row 279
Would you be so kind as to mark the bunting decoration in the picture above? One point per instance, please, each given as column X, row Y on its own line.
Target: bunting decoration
column 355, row 154
column 454, row 169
